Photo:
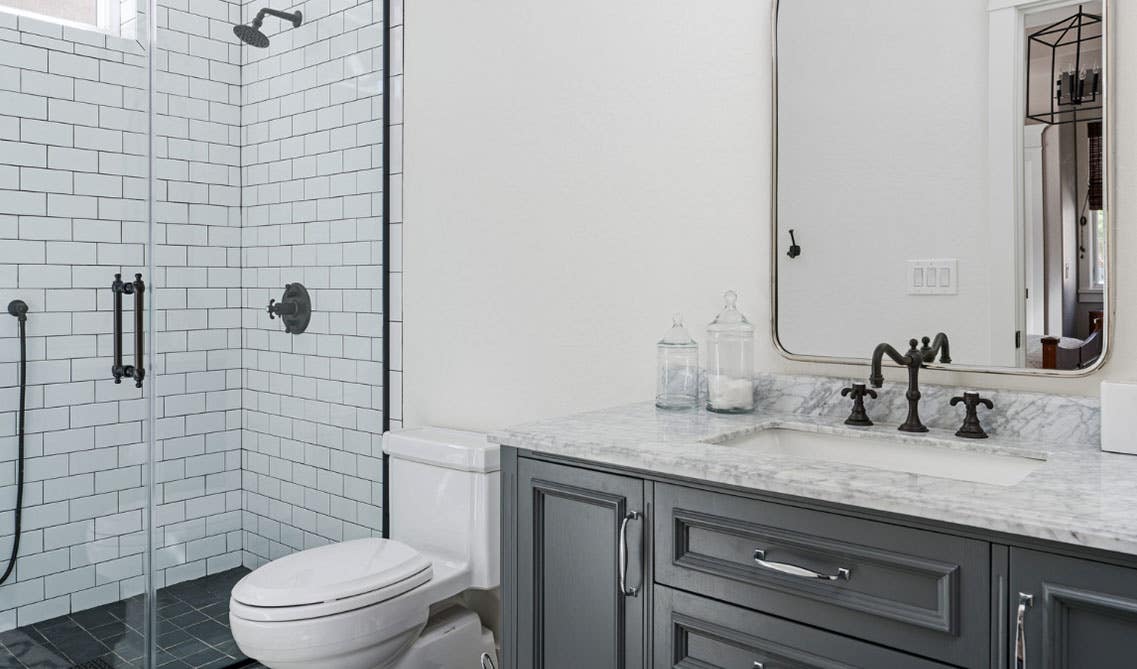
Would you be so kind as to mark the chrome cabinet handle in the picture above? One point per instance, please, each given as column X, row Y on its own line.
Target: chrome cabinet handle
column 758, row 665
column 624, row 589
column 842, row 574
column 1025, row 602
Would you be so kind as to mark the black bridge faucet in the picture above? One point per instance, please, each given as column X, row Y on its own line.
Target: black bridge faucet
column 914, row 359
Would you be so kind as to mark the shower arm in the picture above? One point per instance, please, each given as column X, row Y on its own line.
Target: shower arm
column 293, row 17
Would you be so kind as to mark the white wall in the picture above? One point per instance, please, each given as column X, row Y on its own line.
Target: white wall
column 575, row 173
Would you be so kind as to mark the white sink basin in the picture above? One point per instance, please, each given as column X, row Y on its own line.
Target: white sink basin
column 927, row 460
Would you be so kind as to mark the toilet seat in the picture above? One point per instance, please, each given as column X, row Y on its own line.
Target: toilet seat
column 330, row 579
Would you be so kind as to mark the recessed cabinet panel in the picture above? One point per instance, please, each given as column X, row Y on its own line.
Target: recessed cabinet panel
column 696, row 633
column 924, row 592
column 579, row 544
column 1080, row 615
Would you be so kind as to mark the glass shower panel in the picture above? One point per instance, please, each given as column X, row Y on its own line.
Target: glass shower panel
column 75, row 463
column 197, row 238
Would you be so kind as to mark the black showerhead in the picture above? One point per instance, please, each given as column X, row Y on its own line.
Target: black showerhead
column 251, row 34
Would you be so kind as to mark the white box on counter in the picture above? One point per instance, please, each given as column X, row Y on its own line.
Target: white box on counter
column 1119, row 417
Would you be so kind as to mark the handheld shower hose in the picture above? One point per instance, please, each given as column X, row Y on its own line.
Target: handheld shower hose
column 19, row 309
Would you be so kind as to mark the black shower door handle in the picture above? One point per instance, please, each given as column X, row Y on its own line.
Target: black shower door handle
column 137, row 371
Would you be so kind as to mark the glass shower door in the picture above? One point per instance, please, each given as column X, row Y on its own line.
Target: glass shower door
column 76, row 384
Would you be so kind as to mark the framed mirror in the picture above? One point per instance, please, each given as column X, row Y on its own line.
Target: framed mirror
column 944, row 166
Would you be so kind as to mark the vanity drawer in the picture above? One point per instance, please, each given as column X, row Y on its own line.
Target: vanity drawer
column 692, row 631
column 920, row 591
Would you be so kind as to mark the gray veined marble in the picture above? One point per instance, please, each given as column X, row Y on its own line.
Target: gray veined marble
column 1079, row 495
column 1074, row 421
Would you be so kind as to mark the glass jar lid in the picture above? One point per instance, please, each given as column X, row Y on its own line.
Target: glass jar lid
column 677, row 336
column 730, row 319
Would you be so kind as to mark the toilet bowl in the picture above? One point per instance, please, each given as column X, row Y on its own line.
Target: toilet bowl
column 389, row 603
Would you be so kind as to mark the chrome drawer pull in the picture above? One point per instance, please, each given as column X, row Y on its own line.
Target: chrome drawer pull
column 758, row 665
column 624, row 589
column 842, row 574
column 1025, row 602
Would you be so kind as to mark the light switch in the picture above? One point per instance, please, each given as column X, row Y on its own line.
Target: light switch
column 933, row 277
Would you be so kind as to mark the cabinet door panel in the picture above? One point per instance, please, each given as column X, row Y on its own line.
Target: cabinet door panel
column 571, row 612
column 1083, row 614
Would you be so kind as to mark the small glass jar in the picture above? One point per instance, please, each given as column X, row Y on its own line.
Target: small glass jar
column 677, row 368
column 730, row 360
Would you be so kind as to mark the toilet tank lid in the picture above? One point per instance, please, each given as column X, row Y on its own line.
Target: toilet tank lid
column 443, row 447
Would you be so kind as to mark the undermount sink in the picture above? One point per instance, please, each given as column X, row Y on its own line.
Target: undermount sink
column 899, row 456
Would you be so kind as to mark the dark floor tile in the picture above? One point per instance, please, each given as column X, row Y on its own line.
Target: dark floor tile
column 210, row 631
column 173, row 608
column 210, row 658
column 9, row 661
column 187, row 619
column 172, row 637
column 193, row 632
column 99, row 616
column 35, row 656
column 188, row 647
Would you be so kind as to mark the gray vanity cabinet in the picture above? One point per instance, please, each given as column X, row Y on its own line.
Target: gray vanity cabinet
column 580, row 568
column 603, row 569
column 1075, row 614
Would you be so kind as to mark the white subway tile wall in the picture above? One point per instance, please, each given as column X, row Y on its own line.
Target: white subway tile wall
column 312, row 204
column 197, row 279
column 73, row 157
column 268, row 166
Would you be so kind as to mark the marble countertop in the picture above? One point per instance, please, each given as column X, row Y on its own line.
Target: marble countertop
column 1078, row 495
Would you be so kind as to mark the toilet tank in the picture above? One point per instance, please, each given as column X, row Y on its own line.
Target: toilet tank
column 445, row 497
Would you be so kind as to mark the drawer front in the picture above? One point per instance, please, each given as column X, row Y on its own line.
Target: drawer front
column 920, row 591
column 696, row 633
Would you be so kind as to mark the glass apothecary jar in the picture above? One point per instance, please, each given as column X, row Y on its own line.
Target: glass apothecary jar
column 677, row 368
column 730, row 360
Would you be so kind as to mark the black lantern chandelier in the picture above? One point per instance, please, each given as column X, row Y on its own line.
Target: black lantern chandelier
column 1074, row 53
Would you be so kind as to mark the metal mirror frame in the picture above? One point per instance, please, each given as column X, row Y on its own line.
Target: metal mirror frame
column 1109, row 304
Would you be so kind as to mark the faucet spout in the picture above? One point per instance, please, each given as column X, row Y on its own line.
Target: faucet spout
column 914, row 359
column 939, row 346
column 876, row 376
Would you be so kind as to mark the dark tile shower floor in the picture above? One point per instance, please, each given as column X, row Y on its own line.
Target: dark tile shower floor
column 193, row 632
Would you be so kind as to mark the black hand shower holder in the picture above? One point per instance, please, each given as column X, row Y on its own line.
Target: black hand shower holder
column 137, row 371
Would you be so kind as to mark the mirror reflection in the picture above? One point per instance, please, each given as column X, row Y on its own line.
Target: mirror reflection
column 942, row 167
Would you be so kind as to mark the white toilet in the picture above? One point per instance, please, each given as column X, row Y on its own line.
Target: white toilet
column 389, row 603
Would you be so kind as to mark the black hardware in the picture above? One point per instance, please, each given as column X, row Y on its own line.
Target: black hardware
column 795, row 250
column 251, row 34
column 19, row 309
column 859, row 416
column 971, row 427
column 914, row 359
column 294, row 308
column 137, row 371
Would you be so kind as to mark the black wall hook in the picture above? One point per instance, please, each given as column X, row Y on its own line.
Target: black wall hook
column 795, row 250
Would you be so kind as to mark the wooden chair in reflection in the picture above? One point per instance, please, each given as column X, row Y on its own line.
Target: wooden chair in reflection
column 1061, row 354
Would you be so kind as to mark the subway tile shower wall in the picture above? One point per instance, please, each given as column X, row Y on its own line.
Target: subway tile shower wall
column 312, row 169
column 267, row 170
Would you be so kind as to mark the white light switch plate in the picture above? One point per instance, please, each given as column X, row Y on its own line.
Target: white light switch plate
column 933, row 277
column 1119, row 417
